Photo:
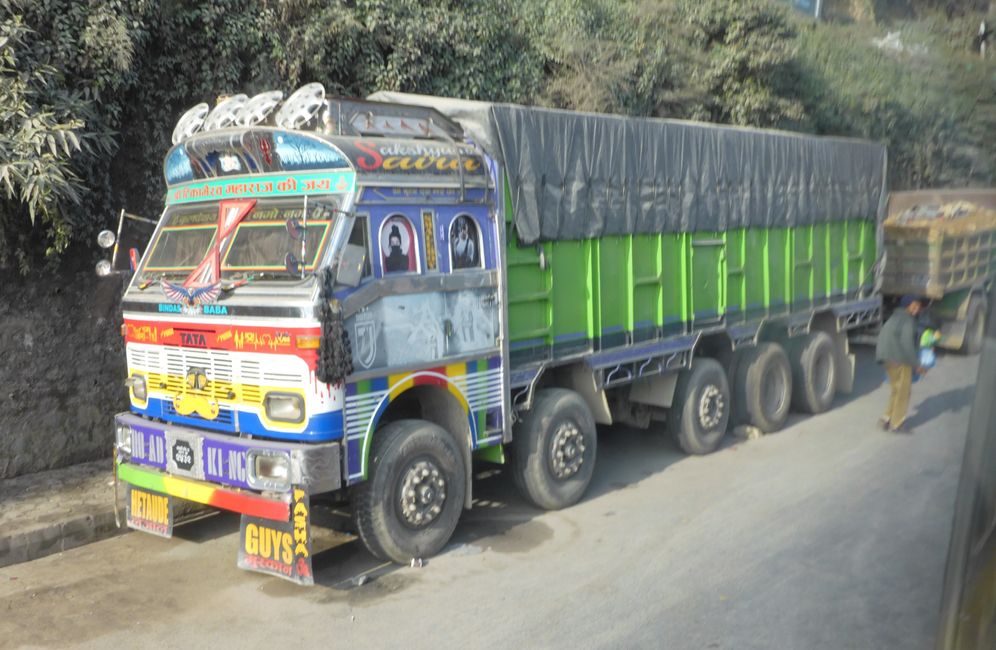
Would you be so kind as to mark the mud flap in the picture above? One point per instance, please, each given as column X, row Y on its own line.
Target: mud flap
column 278, row 548
column 846, row 363
column 149, row 511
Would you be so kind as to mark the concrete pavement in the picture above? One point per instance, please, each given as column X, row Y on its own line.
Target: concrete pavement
column 50, row 512
column 830, row 534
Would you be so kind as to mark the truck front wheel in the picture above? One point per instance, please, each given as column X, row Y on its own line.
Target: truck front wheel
column 553, row 450
column 410, row 504
column 700, row 411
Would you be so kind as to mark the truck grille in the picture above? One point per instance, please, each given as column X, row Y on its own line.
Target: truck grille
column 232, row 377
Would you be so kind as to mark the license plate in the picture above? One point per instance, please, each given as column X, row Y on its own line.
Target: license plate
column 184, row 455
column 149, row 511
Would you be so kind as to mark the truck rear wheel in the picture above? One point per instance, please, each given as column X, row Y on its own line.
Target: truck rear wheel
column 814, row 370
column 762, row 388
column 410, row 503
column 553, row 450
column 975, row 326
column 700, row 411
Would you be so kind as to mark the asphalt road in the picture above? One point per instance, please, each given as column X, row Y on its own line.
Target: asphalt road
column 830, row 534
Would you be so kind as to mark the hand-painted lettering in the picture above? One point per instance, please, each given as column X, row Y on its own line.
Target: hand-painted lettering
column 269, row 543
column 137, row 444
column 373, row 162
column 236, row 466
column 157, row 450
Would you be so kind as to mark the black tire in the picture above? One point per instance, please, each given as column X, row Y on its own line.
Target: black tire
column 814, row 372
column 762, row 388
column 975, row 326
column 403, row 451
column 700, row 411
column 559, row 421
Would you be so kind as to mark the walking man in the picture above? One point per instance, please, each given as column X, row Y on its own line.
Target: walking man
column 897, row 351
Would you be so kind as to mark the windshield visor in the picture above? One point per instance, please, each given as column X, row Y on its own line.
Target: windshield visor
column 261, row 244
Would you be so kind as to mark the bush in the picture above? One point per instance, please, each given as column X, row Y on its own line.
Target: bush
column 90, row 91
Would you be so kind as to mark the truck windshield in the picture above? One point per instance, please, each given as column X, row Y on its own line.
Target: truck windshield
column 260, row 244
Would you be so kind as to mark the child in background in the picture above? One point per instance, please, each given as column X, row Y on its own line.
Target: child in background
column 928, row 359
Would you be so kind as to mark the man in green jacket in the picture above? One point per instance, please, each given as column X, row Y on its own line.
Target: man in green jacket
column 897, row 351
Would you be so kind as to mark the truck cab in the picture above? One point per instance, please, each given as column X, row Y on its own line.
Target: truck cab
column 303, row 287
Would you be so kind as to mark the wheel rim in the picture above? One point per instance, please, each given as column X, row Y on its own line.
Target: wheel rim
column 423, row 493
column 773, row 396
column 822, row 373
column 567, row 450
column 711, row 406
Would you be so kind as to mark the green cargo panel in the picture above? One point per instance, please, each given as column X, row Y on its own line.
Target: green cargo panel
column 823, row 264
column 779, row 270
column 614, row 298
column 855, row 255
column 736, row 276
column 756, row 275
column 529, row 303
column 648, row 300
column 617, row 290
column 837, row 259
column 708, row 278
column 675, row 282
column 570, row 266
column 802, row 268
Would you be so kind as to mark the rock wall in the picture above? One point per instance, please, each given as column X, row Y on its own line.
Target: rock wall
column 62, row 368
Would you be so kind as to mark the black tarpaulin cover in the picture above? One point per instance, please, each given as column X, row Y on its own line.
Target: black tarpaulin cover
column 578, row 175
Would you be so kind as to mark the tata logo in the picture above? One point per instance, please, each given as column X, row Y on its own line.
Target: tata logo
column 193, row 340
column 196, row 379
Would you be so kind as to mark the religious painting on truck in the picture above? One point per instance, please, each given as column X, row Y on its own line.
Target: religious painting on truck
column 398, row 246
column 465, row 243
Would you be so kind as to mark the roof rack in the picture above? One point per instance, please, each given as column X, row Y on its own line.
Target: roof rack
column 378, row 119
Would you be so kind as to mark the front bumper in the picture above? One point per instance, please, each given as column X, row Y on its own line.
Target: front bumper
column 219, row 470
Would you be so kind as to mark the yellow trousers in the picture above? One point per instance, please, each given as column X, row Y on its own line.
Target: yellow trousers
column 900, row 381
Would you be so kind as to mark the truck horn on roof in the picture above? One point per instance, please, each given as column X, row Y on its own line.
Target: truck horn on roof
column 242, row 111
column 336, row 116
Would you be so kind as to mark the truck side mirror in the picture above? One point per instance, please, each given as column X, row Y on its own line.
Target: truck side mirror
column 351, row 265
column 292, row 264
column 294, row 229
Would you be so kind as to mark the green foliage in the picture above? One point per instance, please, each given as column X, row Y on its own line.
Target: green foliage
column 90, row 90
column 932, row 104
column 61, row 63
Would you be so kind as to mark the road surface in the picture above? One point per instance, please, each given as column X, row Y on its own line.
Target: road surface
column 829, row 534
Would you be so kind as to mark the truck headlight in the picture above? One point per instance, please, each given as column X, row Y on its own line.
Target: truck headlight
column 137, row 385
column 268, row 470
column 284, row 407
column 122, row 436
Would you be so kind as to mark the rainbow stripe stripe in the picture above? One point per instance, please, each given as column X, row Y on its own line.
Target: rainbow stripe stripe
column 475, row 384
column 198, row 492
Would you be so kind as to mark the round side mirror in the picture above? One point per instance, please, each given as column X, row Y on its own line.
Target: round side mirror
column 105, row 239
column 103, row 268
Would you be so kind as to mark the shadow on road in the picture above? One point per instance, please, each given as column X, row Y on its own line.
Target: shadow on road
column 868, row 376
column 501, row 521
column 952, row 401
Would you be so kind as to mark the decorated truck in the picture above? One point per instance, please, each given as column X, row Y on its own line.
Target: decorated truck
column 353, row 301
